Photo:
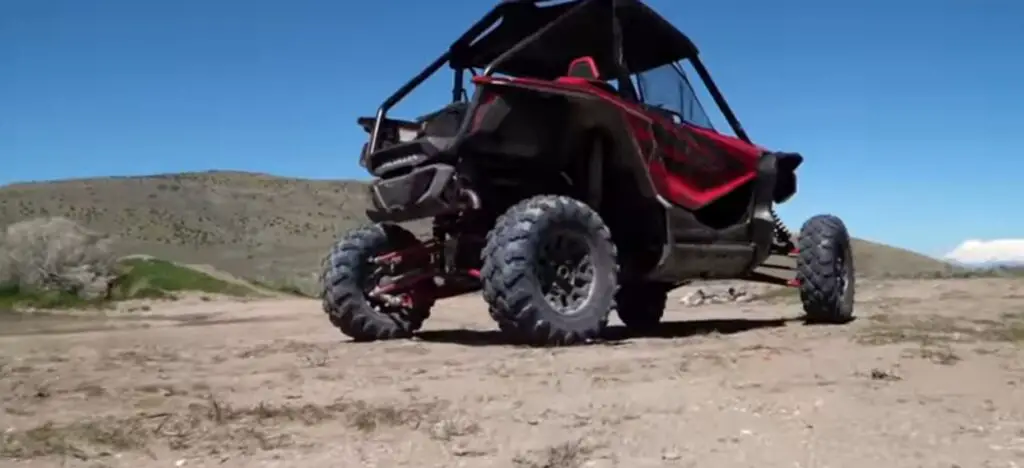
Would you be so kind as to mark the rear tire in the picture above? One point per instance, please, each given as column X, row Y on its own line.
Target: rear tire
column 544, row 293
column 825, row 270
column 641, row 305
column 348, row 276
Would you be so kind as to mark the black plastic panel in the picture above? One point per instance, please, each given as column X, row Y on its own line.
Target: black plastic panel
column 425, row 192
column 706, row 261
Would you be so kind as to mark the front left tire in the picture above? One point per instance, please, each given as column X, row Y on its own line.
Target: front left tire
column 348, row 275
column 550, row 272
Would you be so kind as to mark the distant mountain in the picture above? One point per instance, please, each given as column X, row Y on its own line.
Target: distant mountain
column 990, row 265
column 988, row 253
column 878, row 260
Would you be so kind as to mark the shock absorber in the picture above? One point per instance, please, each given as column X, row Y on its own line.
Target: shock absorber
column 443, row 227
column 782, row 234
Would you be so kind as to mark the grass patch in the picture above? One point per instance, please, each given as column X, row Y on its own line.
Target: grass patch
column 969, row 273
column 13, row 297
column 210, row 425
column 291, row 288
column 936, row 332
column 73, row 440
column 137, row 279
column 154, row 278
column 779, row 294
column 938, row 353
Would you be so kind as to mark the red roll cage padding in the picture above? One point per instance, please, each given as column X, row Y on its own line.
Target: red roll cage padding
column 584, row 67
column 583, row 71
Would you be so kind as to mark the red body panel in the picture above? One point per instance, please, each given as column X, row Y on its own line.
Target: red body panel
column 690, row 166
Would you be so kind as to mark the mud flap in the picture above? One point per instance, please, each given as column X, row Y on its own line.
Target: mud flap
column 762, row 221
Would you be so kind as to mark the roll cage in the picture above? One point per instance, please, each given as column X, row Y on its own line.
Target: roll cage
column 540, row 38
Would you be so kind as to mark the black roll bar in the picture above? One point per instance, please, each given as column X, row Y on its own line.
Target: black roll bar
column 529, row 40
column 457, row 88
column 719, row 99
column 490, row 19
column 486, row 22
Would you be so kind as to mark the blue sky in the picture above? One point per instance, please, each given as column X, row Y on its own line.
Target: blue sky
column 907, row 111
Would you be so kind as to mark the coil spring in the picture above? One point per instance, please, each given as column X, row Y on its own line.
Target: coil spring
column 782, row 233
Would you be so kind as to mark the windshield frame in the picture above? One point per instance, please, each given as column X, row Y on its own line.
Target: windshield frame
column 686, row 98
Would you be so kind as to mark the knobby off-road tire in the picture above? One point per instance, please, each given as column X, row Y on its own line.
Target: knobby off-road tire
column 825, row 270
column 347, row 277
column 519, row 262
column 641, row 305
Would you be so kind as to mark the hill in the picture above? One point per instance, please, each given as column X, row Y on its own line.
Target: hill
column 879, row 260
column 260, row 226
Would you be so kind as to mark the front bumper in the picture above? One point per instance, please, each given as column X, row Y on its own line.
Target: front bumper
column 425, row 192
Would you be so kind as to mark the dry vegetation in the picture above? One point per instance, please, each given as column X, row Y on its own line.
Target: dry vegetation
column 256, row 226
column 936, row 337
column 269, row 229
column 55, row 263
column 55, row 254
column 209, row 426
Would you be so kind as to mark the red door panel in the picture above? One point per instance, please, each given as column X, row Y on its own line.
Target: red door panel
column 693, row 167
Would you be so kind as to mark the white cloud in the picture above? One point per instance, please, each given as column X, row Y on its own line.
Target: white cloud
column 986, row 251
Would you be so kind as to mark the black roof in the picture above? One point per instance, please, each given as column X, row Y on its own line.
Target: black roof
column 648, row 40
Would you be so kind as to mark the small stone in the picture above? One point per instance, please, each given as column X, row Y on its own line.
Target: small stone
column 879, row 374
column 460, row 450
column 695, row 298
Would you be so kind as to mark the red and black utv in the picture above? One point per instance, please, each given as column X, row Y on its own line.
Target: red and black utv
column 582, row 177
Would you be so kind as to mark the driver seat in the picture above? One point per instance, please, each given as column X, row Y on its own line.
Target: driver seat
column 583, row 70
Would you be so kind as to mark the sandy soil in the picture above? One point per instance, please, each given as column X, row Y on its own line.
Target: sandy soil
column 931, row 375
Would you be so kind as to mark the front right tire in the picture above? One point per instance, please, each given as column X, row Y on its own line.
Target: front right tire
column 550, row 272
column 825, row 270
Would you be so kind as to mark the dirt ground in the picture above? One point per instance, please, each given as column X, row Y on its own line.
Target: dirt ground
column 930, row 375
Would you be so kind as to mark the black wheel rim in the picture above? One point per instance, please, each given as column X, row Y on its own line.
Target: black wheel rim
column 566, row 271
column 841, row 272
column 375, row 276
column 845, row 274
column 371, row 280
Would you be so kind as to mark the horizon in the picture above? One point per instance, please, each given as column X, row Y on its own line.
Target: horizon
column 906, row 124
column 161, row 174
column 968, row 262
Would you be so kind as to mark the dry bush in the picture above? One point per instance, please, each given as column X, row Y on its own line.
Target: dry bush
column 7, row 276
column 571, row 454
column 56, row 254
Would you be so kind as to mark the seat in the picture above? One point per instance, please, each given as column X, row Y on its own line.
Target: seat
column 584, row 67
column 583, row 70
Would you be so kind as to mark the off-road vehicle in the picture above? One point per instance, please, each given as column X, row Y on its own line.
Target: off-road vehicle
column 582, row 177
